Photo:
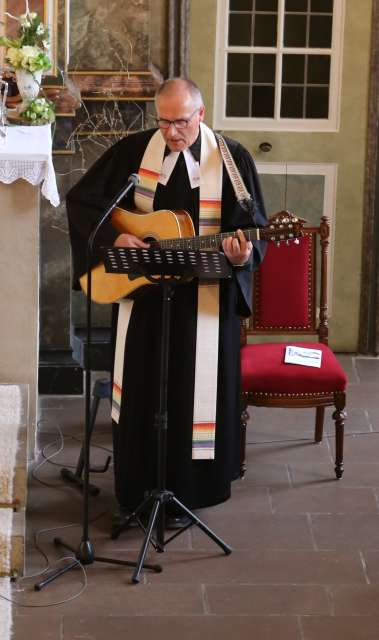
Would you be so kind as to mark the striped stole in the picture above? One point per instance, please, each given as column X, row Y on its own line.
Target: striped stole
column 206, row 364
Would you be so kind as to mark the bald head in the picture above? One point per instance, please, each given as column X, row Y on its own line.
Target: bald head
column 181, row 87
column 180, row 110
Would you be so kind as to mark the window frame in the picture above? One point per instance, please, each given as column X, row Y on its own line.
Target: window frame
column 332, row 123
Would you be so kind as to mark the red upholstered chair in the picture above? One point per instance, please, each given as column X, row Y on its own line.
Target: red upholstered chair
column 288, row 300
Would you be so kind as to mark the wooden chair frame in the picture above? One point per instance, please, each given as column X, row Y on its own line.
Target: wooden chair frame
column 318, row 328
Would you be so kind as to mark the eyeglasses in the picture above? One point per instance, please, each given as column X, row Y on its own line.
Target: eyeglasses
column 182, row 123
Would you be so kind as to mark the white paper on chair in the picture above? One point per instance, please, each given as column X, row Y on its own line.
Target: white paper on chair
column 304, row 356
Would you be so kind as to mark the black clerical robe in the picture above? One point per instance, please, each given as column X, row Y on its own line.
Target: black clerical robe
column 197, row 483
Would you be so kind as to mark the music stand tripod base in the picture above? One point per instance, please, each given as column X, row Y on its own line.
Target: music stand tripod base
column 167, row 268
column 84, row 557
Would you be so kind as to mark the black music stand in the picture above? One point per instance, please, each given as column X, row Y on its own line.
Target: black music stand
column 85, row 553
column 167, row 268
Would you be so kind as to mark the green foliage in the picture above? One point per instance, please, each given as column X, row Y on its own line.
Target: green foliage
column 39, row 111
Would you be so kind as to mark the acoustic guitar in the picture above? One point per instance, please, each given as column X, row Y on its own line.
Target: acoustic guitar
column 174, row 230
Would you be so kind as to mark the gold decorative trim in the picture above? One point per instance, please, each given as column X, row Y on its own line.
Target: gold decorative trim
column 53, row 25
column 103, row 98
column 63, row 152
column 108, row 73
column 276, row 327
column 89, row 134
column 272, row 394
column 15, row 504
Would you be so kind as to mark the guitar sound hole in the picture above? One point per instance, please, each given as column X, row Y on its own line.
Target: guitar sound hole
column 150, row 240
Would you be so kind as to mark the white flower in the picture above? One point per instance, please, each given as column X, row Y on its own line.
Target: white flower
column 46, row 44
column 32, row 15
column 30, row 52
column 24, row 22
column 14, row 56
column 40, row 29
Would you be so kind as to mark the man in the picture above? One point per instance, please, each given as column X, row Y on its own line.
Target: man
column 180, row 167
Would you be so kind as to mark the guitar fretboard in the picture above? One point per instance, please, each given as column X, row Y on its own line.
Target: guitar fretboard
column 204, row 242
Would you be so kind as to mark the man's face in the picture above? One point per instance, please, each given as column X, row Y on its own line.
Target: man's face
column 179, row 105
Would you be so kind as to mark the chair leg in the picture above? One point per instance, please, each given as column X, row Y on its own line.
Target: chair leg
column 244, row 419
column 339, row 417
column 319, row 429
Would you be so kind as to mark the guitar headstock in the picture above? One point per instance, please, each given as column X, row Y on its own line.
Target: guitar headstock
column 283, row 227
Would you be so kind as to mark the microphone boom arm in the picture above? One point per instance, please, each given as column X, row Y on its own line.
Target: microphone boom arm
column 133, row 180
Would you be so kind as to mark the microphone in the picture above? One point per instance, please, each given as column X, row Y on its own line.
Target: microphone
column 134, row 177
column 133, row 180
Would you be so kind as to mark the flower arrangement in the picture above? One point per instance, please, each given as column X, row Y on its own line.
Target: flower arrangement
column 39, row 111
column 28, row 51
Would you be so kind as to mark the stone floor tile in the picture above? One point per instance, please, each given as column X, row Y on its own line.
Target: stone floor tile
column 289, row 452
column 361, row 448
column 268, row 566
column 267, row 600
column 362, row 396
column 72, row 421
column 259, row 474
column 356, row 474
column 371, row 564
column 348, row 628
column 347, row 362
column 373, row 418
column 256, row 531
column 356, row 600
column 245, row 497
column 185, row 627
column 131, row 541
column 275, row 425
column 332, row 498
column 348, row 531
column 43, row 627
column 109, row 590
column 357, row 421
column 367, row 369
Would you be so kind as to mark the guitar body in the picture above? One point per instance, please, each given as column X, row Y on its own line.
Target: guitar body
column 155, row 226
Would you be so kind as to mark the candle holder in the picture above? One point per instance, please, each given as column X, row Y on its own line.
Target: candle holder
column 3, row 108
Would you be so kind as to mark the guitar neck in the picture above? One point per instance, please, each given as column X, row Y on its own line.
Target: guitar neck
column 213, row 241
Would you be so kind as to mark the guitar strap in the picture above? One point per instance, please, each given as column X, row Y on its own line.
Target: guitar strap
column 207, row 332
column 244, row 198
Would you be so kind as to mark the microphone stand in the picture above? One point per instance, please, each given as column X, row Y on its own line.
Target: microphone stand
column 85, row 553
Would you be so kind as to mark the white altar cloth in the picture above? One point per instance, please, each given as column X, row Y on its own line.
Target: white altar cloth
column 26, row 152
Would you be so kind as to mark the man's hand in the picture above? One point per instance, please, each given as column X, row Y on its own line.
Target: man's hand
column 130, row 241
column 237, row 250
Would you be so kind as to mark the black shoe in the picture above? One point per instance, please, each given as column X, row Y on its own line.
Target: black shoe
column 178, row 522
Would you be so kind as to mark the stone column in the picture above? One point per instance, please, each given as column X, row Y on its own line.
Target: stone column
column 19, row 285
